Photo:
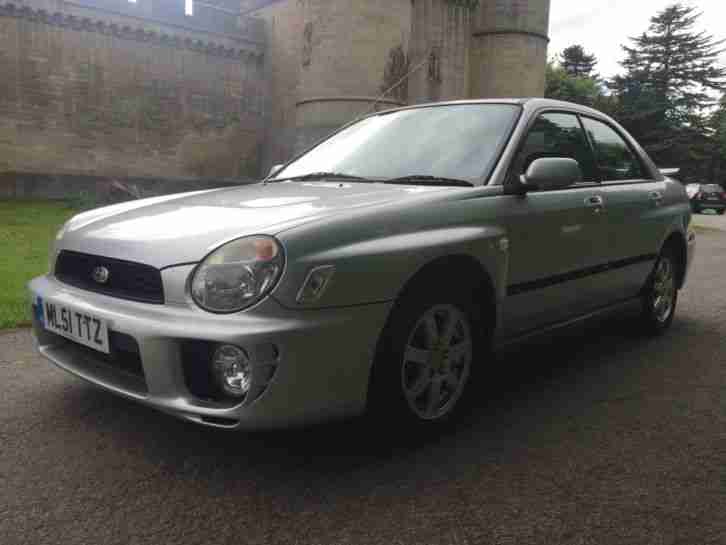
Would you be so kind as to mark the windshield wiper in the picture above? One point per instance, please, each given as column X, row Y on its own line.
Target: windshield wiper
column 318, row 176
column 423, row 179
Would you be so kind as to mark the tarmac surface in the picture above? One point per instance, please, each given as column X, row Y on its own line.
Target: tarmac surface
column 596, row 435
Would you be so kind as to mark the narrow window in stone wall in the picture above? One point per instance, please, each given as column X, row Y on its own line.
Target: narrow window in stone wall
column 189, row 7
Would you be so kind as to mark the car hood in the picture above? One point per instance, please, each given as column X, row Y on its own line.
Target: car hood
column 184, row 228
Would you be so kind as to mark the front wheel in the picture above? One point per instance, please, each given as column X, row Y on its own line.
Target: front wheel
column 661, row 294
column 425, row 359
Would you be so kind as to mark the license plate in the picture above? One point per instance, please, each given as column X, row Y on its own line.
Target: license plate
column 713, row 199
column 74, row 324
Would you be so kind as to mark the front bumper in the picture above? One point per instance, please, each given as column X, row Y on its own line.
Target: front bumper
column 323, row 357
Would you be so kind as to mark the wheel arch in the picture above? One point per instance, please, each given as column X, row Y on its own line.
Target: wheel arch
column 470, row 270
column 677, row 241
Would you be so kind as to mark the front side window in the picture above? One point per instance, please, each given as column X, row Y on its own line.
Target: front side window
column 556, row 135
column 460, row 141
column 615, row 160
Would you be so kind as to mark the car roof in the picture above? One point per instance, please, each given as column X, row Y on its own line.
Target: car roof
column 530, row 103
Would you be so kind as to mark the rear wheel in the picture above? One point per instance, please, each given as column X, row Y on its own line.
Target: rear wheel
column 661, row 293
column 426, row 358
column 720, row 212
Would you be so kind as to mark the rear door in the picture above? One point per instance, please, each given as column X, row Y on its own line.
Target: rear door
column 555, row 237
column 636, row 217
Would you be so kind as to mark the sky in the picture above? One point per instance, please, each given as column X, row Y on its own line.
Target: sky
column 601, row 26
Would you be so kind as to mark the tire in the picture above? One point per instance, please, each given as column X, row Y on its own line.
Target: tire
column 660, row 296
column 425, row 359
column 720, row 212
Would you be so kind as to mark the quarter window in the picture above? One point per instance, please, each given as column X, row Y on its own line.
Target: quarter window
column 615, row 160
column 556, row 135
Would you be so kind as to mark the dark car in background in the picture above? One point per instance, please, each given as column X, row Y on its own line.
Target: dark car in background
column 707, row 196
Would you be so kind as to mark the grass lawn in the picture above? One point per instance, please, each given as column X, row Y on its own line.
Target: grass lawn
column 26, row 231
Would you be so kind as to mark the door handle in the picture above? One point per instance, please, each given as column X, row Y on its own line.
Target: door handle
column 596, row 202
column 656, row 197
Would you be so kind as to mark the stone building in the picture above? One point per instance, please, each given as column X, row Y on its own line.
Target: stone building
column 332, row 60
column 224, row 88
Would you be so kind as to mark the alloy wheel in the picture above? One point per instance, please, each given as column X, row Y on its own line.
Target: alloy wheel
column 664, row 290
column 437, row 362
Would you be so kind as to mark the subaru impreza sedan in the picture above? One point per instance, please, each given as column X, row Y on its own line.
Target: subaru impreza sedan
column 375, row 272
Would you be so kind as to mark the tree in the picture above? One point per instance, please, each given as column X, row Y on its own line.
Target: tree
column 664, row 96
column 577, row 63
column 560, row 85
column 718, row 125
column 570, row 76
column 676, row 64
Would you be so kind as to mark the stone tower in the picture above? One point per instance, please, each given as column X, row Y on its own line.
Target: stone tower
column 509, row 49
column 347, row 51
column 329, row 61
column 439, row 51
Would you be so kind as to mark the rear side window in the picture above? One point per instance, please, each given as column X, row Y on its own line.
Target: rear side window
column 615, row 159
column 711, row 188
column 556, row 135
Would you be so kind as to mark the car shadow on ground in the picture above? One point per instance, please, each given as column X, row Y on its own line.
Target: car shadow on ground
column 526, row 392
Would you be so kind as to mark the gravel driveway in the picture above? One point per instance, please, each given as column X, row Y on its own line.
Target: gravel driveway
column 593, row 436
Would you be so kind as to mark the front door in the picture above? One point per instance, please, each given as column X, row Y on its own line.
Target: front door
column 557, row 239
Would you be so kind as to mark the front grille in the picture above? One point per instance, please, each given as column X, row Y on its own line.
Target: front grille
column 126, row 279
column 196, row 363
column 124, row 354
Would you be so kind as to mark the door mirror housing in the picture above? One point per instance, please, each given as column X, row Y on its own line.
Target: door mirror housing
column 549, row 173
column 275, row 169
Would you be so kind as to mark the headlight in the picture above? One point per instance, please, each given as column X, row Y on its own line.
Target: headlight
column 238, row 274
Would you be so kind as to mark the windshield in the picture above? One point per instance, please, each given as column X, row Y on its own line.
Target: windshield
column 458, row 141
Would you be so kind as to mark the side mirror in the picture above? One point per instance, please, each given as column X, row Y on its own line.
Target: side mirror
column 550, row 173
column 275, row 169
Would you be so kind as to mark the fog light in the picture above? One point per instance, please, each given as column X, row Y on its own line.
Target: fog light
column 233, row 370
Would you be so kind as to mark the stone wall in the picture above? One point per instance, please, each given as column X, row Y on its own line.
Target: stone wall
column 284, row 33
column 109, row 87
column 89, row 190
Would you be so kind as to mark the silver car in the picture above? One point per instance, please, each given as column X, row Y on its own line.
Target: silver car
column 375, row 271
